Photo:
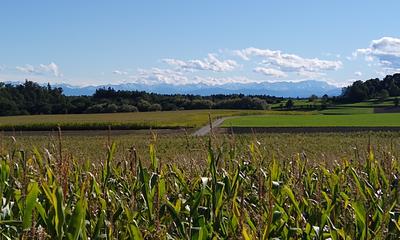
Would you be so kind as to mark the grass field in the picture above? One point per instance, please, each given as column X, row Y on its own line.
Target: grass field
column 356, row 120
column 372, row 103
column 346, row 110
column 351, row 108
column 197, row 118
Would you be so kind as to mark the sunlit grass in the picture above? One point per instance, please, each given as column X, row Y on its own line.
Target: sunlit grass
column 359, row 120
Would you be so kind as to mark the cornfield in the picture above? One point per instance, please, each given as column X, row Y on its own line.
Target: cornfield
column 239, row 195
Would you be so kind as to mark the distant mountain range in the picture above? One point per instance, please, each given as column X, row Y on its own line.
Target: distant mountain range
column 279, row 89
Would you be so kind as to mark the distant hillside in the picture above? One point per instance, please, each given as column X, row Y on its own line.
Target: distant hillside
column 32, row 98
column 280, row 89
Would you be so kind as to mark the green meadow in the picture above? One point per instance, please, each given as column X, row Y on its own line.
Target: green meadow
column 354, row 120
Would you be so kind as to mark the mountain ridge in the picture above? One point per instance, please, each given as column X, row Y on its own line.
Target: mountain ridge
column 280, row 89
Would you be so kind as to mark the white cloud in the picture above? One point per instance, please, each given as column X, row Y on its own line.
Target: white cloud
column 386, row 50
column 215, row 81
column 358, row 74
column 118, row 72
column 50, row 68
column 270, row 72
column 247, row 53
column 167, row 76
column 386, row 71
column 26, row 69
column 289, row 63
column 274, row 64
column 211, row 63
column 157, row 76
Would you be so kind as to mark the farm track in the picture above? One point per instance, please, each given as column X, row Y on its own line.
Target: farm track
column 206, row 129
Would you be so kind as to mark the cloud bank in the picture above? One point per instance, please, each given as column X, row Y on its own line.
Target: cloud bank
column 386, row 50
column 42, row 69
column 211, row 63
column 270, row 72
column 118, row 72
column 175, row 77
column 280, row 64
column 247, row 65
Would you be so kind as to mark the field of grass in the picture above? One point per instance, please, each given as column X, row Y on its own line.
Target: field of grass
column 359, row 120
column 142, row 120
column 372, row 103
column 197, row 118
column 351, row 108
column 346, row 110
column 286, row 186
column 297, row 102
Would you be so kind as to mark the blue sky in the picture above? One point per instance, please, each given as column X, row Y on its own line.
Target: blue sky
column 212, row 42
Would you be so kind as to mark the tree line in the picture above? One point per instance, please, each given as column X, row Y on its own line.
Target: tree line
column 372, row 89
column 32, row 98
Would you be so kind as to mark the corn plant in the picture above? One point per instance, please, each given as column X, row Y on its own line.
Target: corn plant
column 242, row 193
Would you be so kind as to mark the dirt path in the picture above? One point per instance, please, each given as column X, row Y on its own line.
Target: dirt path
column 206, row 129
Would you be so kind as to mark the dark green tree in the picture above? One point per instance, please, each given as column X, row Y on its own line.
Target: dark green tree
column 396, row 102
column 313, row 98
column 289, row 104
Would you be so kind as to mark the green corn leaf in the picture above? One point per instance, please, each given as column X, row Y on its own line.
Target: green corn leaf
column 292, row 198
column 10, row 222
column 38, row 157
column 176, row 218
column 41, row 211
column 153, row 157
column 250, row 222
column 177, row 173
column 60, row 212
column 77, row 221
column 275, row 171
column 135, row 231
column 360, row 213
column 346, row 199
column 219, row 198
column 146, row 192
column 396, row 223
column 196, row 202
column 360, row 187
column 30, row 202
column 99, row 225
column 245, row 234
column 107, row 167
